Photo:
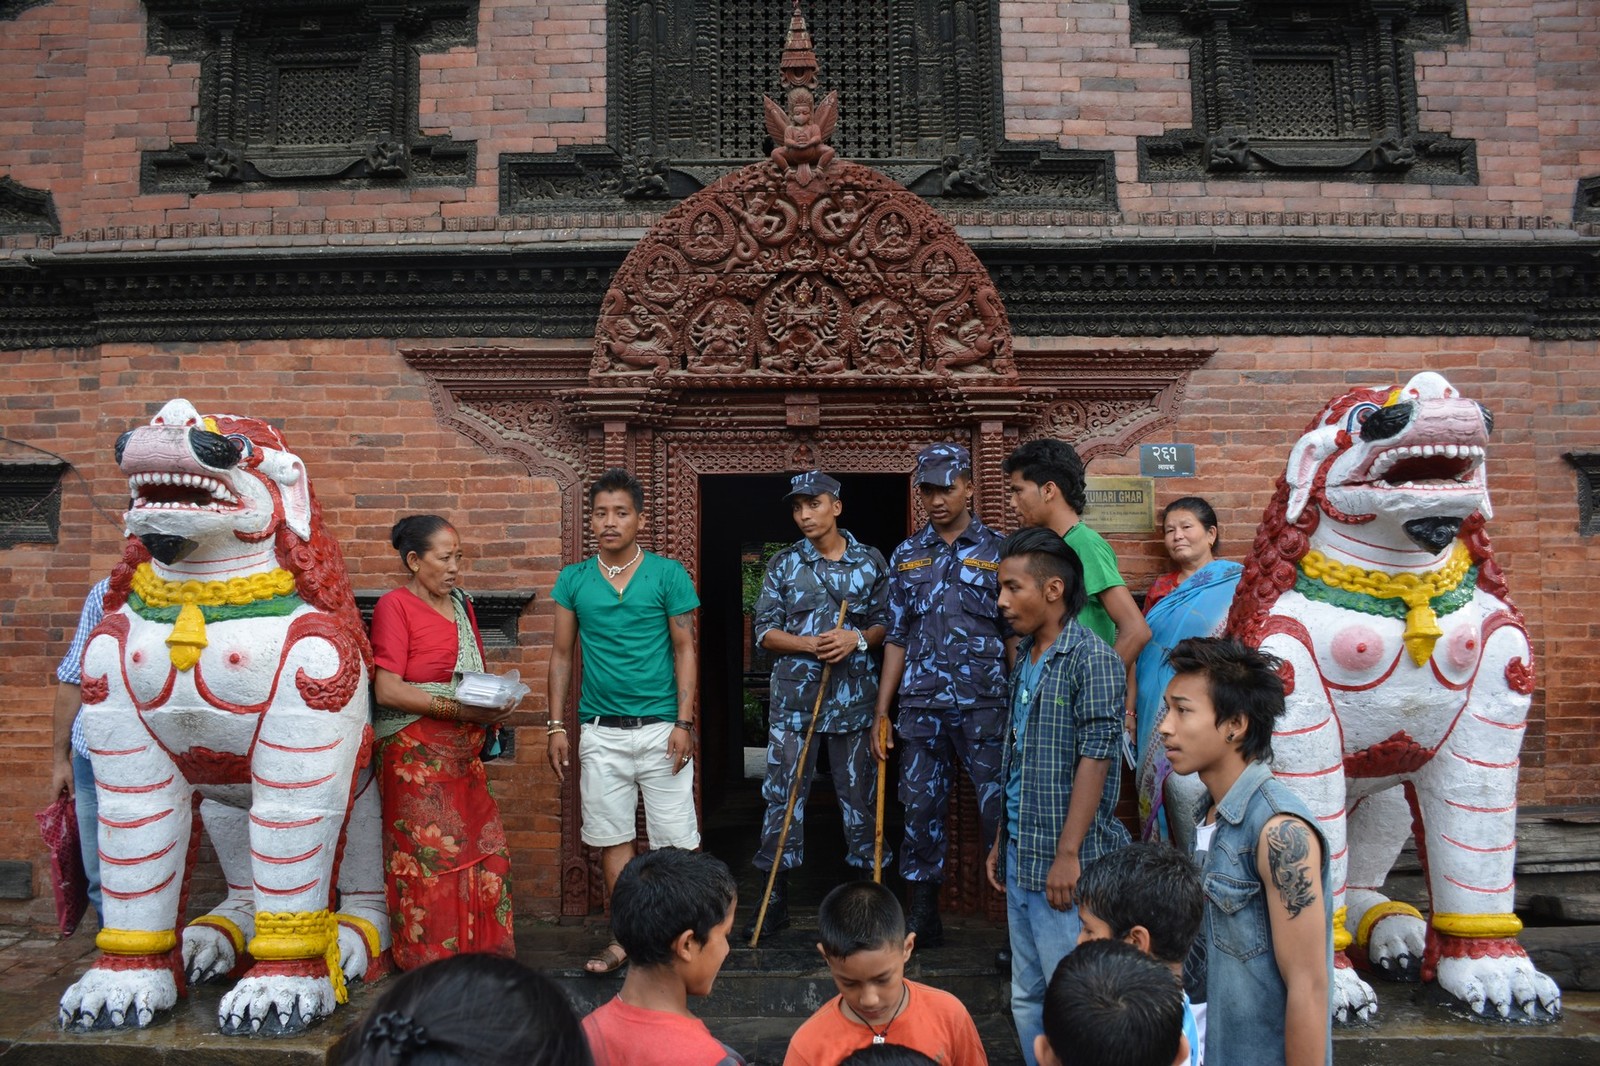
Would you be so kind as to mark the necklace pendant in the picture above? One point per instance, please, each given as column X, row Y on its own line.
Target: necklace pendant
column 879, row 1038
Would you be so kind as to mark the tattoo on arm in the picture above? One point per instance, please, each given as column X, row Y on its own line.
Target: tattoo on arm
column 1288, row 851
column 683, row 621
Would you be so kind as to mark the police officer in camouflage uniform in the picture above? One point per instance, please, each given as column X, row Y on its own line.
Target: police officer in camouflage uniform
column 797, row 617
column 946, row 653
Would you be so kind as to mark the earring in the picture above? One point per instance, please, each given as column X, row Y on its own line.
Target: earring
column 1232, row 737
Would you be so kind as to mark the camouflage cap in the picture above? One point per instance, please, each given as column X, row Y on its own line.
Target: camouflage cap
column 812, row 483
column 940, row 464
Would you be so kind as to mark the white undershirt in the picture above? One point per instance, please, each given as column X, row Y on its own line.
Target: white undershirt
column 1202, row 837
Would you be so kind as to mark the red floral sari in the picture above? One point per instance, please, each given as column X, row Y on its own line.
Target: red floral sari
column 445, row 859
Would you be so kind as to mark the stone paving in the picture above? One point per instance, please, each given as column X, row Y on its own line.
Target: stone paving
column 762, row 996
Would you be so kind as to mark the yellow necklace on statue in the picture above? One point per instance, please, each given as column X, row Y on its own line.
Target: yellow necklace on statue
column 189, row 605
column 1415, row 591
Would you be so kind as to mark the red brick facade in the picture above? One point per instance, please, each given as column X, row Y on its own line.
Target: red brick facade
column 80, row 100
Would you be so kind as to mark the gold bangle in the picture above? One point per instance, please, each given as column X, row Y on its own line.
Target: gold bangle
column 553, row 730
column 446, row 708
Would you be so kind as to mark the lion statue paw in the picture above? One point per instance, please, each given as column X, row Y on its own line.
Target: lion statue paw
column 1505, row 984
column 118, row 999
column 1352, row 999
column 272, row 1004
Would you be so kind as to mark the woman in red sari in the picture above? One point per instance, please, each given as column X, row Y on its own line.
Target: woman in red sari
column 445, row 861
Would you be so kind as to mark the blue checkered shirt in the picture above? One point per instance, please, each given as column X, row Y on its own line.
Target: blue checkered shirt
column 1076, row 714
column 70, row 672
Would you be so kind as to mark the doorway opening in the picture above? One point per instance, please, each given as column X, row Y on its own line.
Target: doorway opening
column 744, row 519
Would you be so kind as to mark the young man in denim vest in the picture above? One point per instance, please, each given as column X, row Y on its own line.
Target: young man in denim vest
column 1067, row 697
column 1263, row 862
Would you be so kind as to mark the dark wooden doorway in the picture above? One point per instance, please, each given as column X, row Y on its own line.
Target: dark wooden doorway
column 741, row 517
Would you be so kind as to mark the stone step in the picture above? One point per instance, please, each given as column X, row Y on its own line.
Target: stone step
column 785, row 977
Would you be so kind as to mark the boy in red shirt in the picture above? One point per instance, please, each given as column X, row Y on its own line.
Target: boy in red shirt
column 865, row 944
column 671, row 912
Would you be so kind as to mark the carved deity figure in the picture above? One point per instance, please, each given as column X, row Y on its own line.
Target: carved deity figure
column 639, row 342
column 960, row 340
column 799, row 136
column 720, row 335
column 804, row 327
column 1409, row 676
column 231, row 668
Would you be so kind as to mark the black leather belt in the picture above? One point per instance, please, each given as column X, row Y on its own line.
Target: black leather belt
column 622, row 721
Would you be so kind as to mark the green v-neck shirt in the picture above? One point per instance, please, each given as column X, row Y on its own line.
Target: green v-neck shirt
column 625, row 639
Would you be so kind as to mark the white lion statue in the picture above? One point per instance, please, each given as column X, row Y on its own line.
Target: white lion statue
column 1409, row 677
column 229, row 676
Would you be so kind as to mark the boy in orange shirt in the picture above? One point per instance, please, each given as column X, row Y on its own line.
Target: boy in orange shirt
column 865, row 944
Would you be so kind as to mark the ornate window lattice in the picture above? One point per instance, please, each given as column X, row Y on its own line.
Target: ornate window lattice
column 1303, row 89
column 308, row 90
column 1586, row 207
column 25, row 210
column 1587, row 465
column 920, row 98
column 30, row 502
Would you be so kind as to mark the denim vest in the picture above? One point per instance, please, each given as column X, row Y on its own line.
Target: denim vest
column 1245, row 995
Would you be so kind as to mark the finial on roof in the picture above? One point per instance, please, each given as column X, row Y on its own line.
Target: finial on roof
column 799, row 63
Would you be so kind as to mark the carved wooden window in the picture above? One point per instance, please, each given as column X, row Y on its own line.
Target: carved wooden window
column 1587, row 464
column 1586, row 208
column 308, row 91
column 914, row 76
column 30, row 502
column 25, row 210
column 1306, row 89
column 920, row 98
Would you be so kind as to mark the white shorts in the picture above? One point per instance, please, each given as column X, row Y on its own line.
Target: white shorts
column 614, row 767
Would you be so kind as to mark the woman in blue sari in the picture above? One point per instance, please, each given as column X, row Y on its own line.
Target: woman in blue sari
column 1191, row 601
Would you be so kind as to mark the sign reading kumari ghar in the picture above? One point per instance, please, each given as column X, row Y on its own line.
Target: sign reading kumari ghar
column 1121, row 504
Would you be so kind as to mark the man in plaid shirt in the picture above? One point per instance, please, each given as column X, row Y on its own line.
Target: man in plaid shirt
column 1068, row 690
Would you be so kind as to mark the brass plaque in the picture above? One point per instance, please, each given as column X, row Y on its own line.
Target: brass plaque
column 1121, row 504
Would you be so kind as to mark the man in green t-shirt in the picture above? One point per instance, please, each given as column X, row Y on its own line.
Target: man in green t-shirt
column 633, row 613
column 1047, row 489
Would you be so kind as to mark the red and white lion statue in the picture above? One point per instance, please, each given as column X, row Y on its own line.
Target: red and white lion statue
column 1409, row 677
column 230, row 675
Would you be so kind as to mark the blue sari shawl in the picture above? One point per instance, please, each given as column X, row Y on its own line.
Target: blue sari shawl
column 1196, row 608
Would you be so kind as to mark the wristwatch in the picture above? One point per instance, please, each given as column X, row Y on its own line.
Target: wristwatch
column 861, row 641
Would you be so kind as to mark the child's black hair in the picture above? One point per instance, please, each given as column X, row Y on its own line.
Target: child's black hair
column 860, row 916
column 1050, row 460
column 1109, row 1004
column 887, row 1055
column 618, row 480
column 1049, row 556
column 1150, row 884
column 1244, row 684
column 661, row 893
column 468, row 1010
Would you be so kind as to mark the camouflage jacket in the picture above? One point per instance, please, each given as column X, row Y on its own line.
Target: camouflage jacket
column 800, row 595
column 944, row 610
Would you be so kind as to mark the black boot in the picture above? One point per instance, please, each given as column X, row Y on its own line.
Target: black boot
column 777, row 909
column 924, row 918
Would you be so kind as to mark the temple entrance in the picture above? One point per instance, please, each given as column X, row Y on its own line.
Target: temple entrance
column 743, row 520
column 801, row 312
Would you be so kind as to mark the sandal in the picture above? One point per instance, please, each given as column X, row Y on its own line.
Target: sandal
column 608, row 959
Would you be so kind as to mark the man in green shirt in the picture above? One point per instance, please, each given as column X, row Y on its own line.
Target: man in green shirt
column 633, row 613
column 1047, row 489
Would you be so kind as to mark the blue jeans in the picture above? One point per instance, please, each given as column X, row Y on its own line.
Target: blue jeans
column 1041, row 937
column 88, row 808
